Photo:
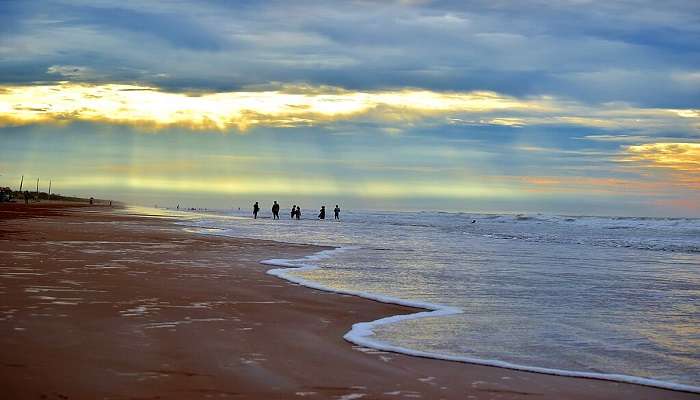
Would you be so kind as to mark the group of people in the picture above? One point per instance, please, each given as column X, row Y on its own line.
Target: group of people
column 296, row 211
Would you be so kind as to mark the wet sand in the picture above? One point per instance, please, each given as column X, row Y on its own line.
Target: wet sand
column 102, row 305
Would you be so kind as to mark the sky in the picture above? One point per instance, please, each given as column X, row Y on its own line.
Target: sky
column 561, row 106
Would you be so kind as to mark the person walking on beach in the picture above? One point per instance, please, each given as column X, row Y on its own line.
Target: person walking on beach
column 275, row 210
column 336, row 212
column 293, row 213
column 298, row 213
column 322, row 213
column 26, row 197
column 256, row 209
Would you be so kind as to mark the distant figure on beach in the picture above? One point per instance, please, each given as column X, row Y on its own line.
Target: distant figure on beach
column 26, row 197
column 293, row 213
column 110, row 203
column 92, row 200
column 256, row 209
column 322, row 213
column 336, row 212
column 275, row 211
column 473, row 221
column 298, row 213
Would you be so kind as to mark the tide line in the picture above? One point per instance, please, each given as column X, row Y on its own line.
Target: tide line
column 362, row 333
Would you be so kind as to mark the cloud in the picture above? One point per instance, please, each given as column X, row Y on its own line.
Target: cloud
column 71, row 71
column 152, row 108
column 619, row 138
column 293, row 106
column 505, row 121
column 675, row 156
column 645, row 52
column 678, row 161
column 587, row 185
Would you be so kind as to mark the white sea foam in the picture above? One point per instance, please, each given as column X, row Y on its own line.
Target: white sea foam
column 362, row 332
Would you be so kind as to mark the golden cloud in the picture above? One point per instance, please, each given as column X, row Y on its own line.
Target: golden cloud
column 149, row 107
column 680, row 160
column 677, row 156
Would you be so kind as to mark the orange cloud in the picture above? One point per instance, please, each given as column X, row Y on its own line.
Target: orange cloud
column 677, row 156
column 679, row 161
column 541, row 180
column 585, row 184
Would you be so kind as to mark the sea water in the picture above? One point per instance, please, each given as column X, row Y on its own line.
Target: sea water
column 606, row 297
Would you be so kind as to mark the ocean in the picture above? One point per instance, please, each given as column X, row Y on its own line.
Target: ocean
column 605, row 297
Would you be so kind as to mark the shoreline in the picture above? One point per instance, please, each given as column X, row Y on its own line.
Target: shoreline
column 361, row 332
column 188, row 316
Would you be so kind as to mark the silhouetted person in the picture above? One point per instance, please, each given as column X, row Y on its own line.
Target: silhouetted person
column 92, row 200
column 178, row 207
column 298, row 213
column 256, row 209
column 336, row 212
column 26, row 197
column 293, row 213
column 275, row 211
column 322, row 213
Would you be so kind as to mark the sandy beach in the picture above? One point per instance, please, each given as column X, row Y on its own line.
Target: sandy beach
column 98, row 304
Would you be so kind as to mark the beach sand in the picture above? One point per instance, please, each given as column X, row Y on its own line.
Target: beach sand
column 103, row 305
